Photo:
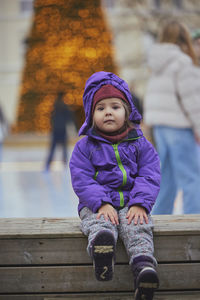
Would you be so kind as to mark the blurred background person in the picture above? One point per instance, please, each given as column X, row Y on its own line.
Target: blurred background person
column 138, row 102
column 196, row 43
column 61, row 117
column 3, row 130
column 172, row 109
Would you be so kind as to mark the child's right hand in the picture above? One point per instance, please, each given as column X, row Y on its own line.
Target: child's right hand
column 108, row 212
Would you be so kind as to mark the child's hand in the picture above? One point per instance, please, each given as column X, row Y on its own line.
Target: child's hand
column 108, row 212
column 137, row 213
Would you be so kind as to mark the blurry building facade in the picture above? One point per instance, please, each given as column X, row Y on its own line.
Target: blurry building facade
column 15, row 21
column 135, row 24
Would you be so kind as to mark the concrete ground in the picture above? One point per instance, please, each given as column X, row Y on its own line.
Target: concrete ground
column 26, row 190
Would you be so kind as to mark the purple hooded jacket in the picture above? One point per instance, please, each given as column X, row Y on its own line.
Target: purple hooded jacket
column 126, row 173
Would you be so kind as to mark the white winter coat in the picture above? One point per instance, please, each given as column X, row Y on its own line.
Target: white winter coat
column 172, row 72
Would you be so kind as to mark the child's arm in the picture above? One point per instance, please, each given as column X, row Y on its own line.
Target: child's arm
column 90, row 193
column 147, row 182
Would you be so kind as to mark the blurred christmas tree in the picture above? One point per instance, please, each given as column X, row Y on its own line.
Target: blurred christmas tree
column 69, row 41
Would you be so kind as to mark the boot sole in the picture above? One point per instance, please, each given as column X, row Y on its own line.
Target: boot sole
column 147, row 283
column 103, row 255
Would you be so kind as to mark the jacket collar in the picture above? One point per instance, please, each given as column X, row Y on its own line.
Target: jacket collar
column 133, row 134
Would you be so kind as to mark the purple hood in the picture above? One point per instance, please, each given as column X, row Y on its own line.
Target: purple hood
column 93, row 84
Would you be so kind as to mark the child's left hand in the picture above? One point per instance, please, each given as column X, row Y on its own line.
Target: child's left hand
column 137, row 213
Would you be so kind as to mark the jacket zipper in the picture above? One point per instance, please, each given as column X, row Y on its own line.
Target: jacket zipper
column 95, row 176
column 120, row 165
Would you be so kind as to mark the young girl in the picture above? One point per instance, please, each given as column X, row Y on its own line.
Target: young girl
column 115, row 173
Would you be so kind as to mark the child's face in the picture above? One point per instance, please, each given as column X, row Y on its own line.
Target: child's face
column 109, row 114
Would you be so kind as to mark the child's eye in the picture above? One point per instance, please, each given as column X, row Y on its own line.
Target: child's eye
column 116, row 107
column 100, row 108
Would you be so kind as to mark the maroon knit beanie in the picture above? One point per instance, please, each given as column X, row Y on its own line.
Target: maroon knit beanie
column 108, row 91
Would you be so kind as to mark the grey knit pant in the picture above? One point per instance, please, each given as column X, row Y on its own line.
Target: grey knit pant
column 137, row 239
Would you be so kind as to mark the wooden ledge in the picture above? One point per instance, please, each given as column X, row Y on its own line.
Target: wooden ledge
column 129, row 296
column 70, row 227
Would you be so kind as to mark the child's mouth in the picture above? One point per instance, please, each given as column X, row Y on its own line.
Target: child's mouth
column 108, row 121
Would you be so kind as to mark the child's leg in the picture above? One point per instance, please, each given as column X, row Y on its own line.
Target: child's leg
column 138, row 241
column 102, row 238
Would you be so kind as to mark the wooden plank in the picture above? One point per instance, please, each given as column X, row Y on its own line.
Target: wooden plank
column 177, row 248
column 129, row 296
column 73, row 250
column 176, row 224
column 69, row 227
column 44, row 251
column 73, row 279
column 192, row 295
column 39, row 227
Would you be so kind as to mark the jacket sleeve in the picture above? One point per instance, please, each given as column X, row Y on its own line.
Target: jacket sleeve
column 189, row 91
column 147, row 183
column 90, row 193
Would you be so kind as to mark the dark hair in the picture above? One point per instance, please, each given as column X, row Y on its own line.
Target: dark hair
column 127, row 113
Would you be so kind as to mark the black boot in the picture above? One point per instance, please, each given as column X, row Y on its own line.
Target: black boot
column 103, row 254
column 145, row 277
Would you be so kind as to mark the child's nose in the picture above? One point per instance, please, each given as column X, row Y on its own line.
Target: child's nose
column 108, row 110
